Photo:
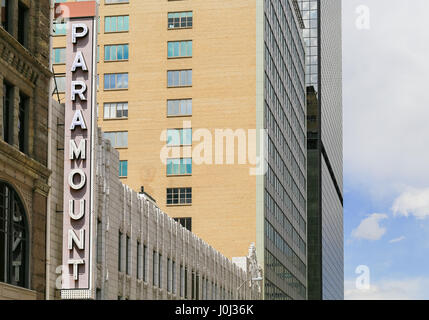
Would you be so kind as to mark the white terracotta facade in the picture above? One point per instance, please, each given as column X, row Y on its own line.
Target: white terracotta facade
column 144, row 228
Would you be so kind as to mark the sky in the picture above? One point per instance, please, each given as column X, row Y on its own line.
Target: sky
column 386, row 148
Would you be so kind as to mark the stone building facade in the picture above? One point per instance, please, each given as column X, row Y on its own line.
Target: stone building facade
column 142, row 253
column 24, row 173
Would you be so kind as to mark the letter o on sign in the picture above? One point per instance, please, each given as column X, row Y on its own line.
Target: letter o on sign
column 82, row 182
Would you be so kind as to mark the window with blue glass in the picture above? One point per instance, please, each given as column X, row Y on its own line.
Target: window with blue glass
column 60, row 82
column 116, row 52
column 116, row 81
column 60, row 29
column 59, row 55
column 179, row 137
column 118, row 139
column 179, row 49
column 123, row 168
column 182, row 166
column 179, row 107
column 179, row 20
column 179, row 78
column 116, row 24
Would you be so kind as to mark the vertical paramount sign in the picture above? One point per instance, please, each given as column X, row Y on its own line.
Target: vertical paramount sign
column 79, row 155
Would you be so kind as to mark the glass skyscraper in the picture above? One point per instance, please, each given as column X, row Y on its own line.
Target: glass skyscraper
column 285, row 185
column 322, row 19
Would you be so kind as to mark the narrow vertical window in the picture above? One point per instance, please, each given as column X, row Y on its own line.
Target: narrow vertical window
column 127, row 256
column 182, row 281
column 154, row 278
column 168, row 275
column 173, row 271
column 123, row 169
column 145, row 263
column 160, row 271
column 139, row 260
column 7, row 112
column 4, row 18
column 22, row 24
column 193, row 286
column 99, row 241
column 23, row 123
column 120, row 252
column 186, row 283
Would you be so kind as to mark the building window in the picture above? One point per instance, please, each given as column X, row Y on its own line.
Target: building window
column 154, row 268
column 99, row 242
column 182, row 107
column 193, row 297
column 178, row 20
column 179, row 78
column 185, row 222
column 23, row 123
column 13, row 238
column 128, row 256
column 160, row 271
column 4, row 14
column 116, row 52
column 116, row 81
column 168, row 275
column 179, row 137
column 182, row 281
column 179, row 49
column 139, row 261
column 116, row 110
column 116, row 24
column 179, row 196
column 60, row 29
column 22, row 24
column 181, row 166
column 118, row 139
column 7, row 112
column 197, row 286
column 59, row 55
column 123, row 168
column 173, row 272
column 145, row 261
column 120, row 252
column 61, row 83
column 186, row 283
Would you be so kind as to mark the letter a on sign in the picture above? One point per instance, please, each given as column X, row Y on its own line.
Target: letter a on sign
column 79, row 62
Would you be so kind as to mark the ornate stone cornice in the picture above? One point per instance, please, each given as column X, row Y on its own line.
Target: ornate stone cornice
column 23, row 163
column 20, row 59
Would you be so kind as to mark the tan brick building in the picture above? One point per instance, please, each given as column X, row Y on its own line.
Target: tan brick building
column 180, row 71
column 24, row 173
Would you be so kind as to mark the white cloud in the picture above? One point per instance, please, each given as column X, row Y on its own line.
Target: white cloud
column 390, row 289
column 385, row 101
column 397, row 239
column 412, row 202
column 369, row 228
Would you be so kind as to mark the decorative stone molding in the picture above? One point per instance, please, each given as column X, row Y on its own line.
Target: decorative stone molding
column 22, row 162
column 18, row 57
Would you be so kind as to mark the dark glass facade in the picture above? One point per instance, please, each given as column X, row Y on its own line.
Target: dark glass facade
column 285, row 196
column 322, row 19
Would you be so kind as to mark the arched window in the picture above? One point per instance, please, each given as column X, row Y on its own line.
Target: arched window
column 13, row 238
